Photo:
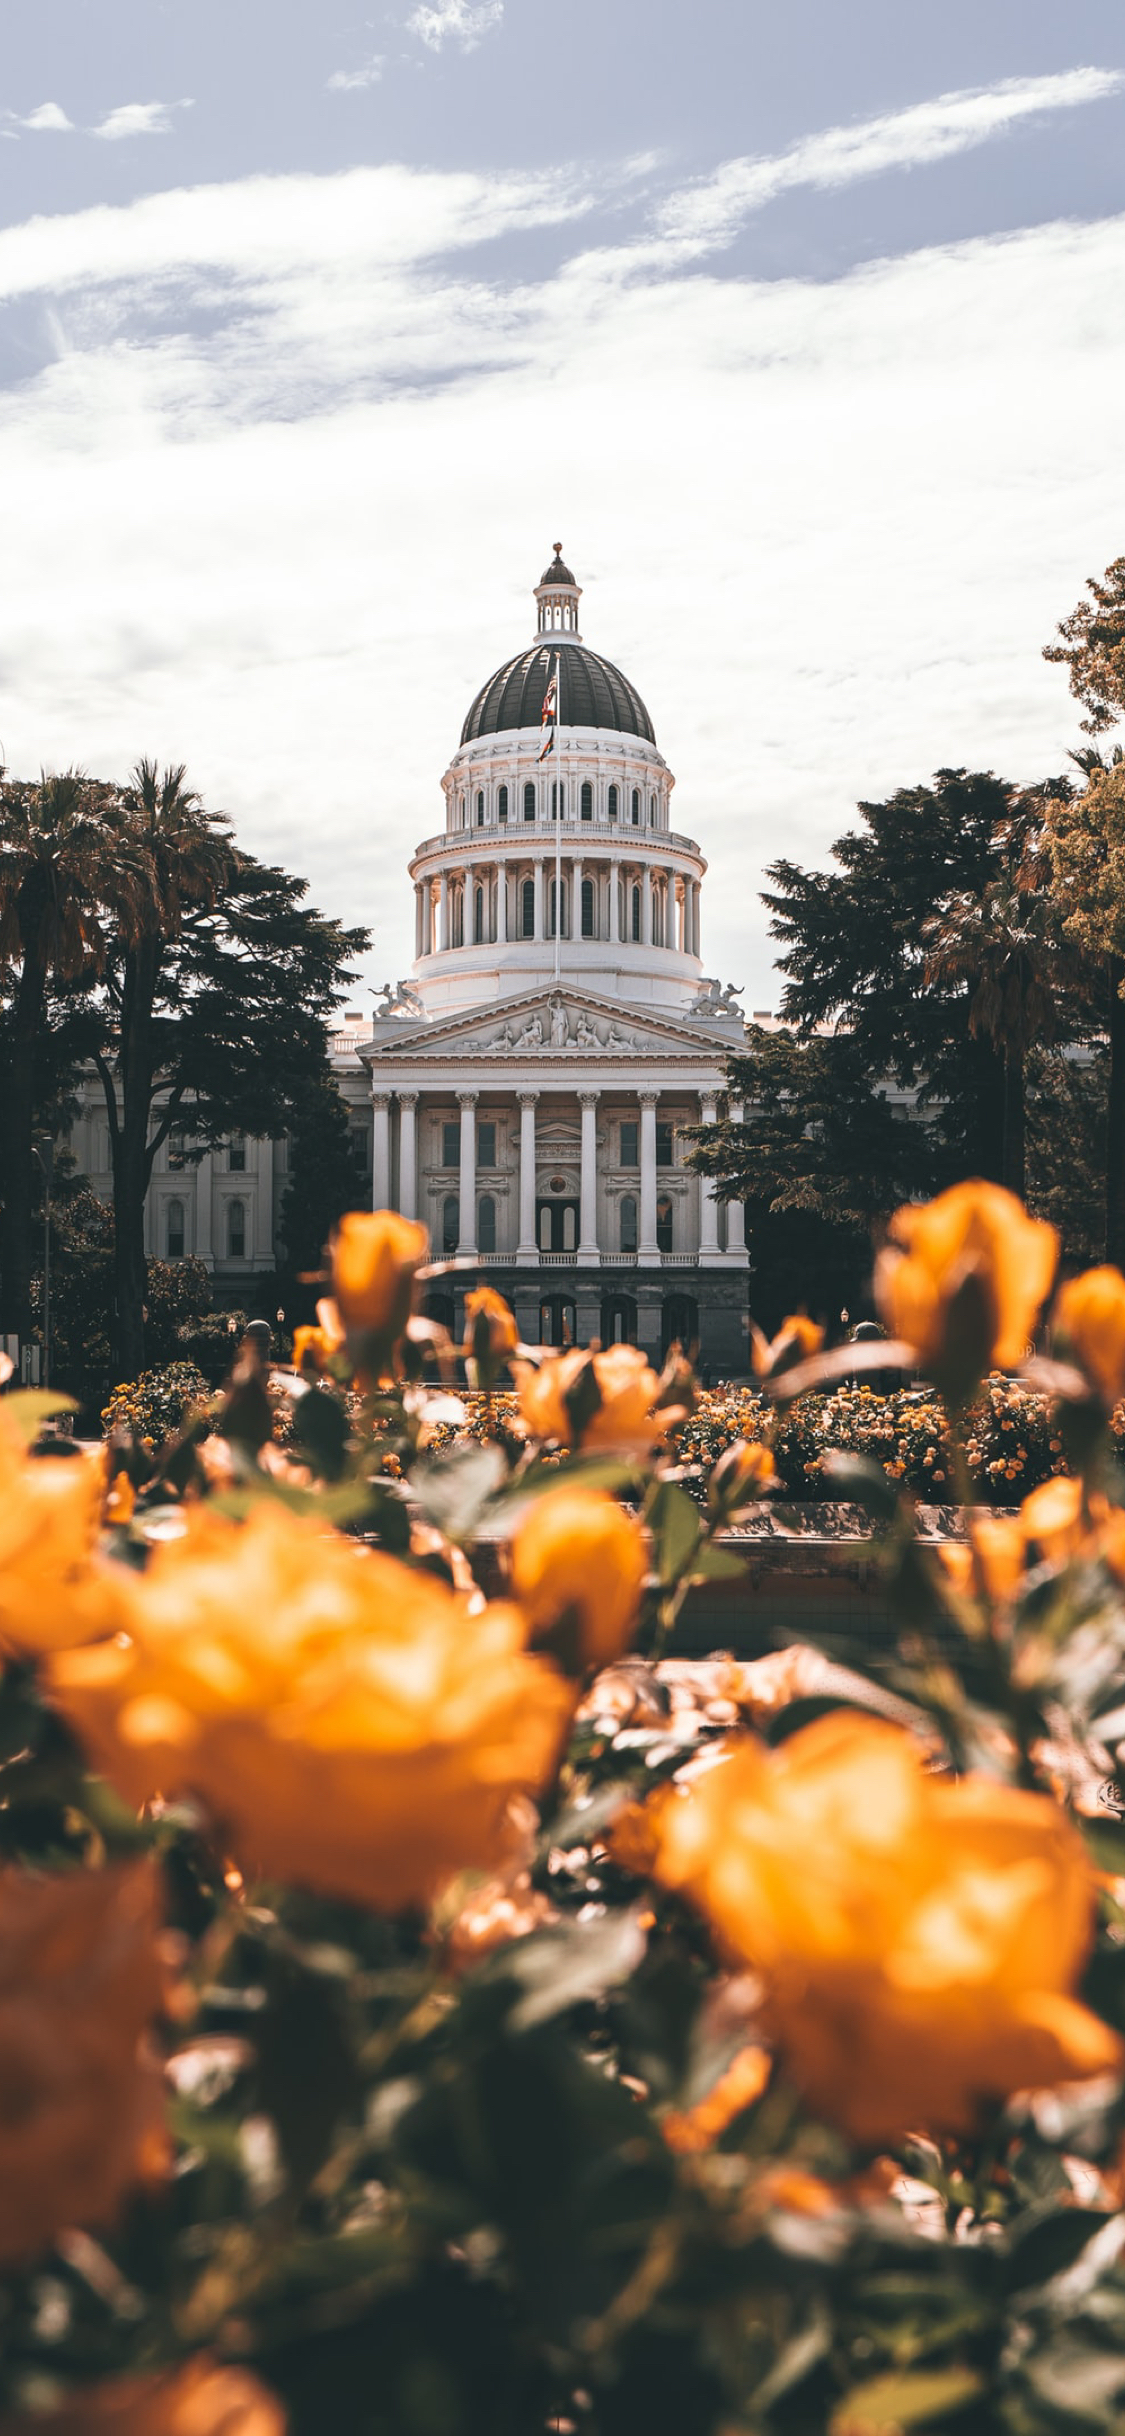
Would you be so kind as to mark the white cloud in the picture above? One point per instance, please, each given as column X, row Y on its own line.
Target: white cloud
column 48, row 119
column 464, row 22
column 711, row 212
column 138, row 118
column 354, row 80
column 826, row 527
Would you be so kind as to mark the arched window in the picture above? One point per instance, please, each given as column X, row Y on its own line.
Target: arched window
column 462, row 811
column 636, row 807
column 486, row 1223
column 450, row 1222
column 478, row 930
column 236, row 1230
column 480, row 807
column 664, row 1224
column 528, row 894
column 652, row 811
column 635, row 925
column 502, row 804
column 174, row 1230
column 629, row 1223
column 587, row 806
column 680, row 1324
column 587, row 909
column 558, row 799
column 619, row 1321
column 529, row 800
column 611, row 803
column 457, row 917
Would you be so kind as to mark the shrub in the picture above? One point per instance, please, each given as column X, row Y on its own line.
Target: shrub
column 154, row 1405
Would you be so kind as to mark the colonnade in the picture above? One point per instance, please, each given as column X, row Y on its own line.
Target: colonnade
column 527, row 1250
column 668, row 908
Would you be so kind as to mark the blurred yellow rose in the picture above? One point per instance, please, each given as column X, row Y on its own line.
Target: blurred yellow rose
column 55, row 1591
column 487, row 1311
column 962, row 1281
column 593, row 1399
column 350, row 1724
column 375, row 1254
column 82, row 2095
column 997, row 1554
column 743, row 1473
column 201, row 2399
column 919, row 1939
column 313, row 1348
column 797, row 1339
column 1089, row 1316
column 578, row 1564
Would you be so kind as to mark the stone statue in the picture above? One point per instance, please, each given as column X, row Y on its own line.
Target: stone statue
column 532, row 1038
column 398, row 998
column 707, row 1000
column 618, row 1040
column 560, row 1028
column 730, row 998
column 584, row 1034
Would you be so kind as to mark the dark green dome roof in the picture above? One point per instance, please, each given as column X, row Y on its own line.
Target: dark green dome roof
column 594, row 694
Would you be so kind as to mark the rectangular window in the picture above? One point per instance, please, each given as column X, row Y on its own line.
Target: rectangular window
column 236, row 1154
column 486, row 1144
column 177, row 1147
column 628, row 1153
column 360, row 1140
column 665, row 1145
column 451, row 1142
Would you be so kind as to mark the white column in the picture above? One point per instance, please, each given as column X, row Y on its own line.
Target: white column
column 708, row 1206
column 538, row 872
column 588, row 1205
column 407, row 1154
column 670, row 937
column 648, row 1250
column 576, row 900
column 202, row 1246
column 380, row 1149
column 695, row 926
column 646, row 906
column 527, row 1255
column 443, row 910
column 736, row 1210
column 467, row 1238
column 502, row 903
column 615, row 902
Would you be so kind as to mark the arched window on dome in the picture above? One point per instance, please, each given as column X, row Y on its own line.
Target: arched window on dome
column 587, row 909
column 502, row 804
column 486, row 1223
column 586, row 805
column 636, row 807
column 627, row 1219
column 478, row 921
column 462, row 811
column 635, row 924
column 652, row 811
column 174, row 1230
column 529, row 800
column 527, row 894
column 450, row 1223
column 611, row 803
column 236, row 1230
column 480, row 807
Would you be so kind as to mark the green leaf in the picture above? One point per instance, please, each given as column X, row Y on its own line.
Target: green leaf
column 674, row 1521
column 906, row 2399
column 321, row 1430
column 716, row 1564
column 569, row 1966
column 453, row 1494
column 30, row 1407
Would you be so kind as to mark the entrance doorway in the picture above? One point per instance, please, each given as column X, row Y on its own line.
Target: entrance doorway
column 556, row 1226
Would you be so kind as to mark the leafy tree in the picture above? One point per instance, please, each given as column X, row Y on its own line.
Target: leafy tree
column 57, row 842
column 1086, row 843
column 819, row 1157
column 325, row 1179
column 1066, row 1163
column 218, row 983
column 1093, row 648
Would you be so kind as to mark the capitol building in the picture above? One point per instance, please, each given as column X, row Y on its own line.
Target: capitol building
column 528, row 1091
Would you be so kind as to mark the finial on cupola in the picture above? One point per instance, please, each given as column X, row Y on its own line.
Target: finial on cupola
column 558, row 593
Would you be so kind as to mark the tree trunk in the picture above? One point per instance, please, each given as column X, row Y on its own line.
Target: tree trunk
column 131, row 1165
column 19, row 1183
column 1015, row 1122
column 1115, row 1131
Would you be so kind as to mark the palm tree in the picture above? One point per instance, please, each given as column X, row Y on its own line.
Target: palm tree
column 1005, row 945
column 55, row 868
column 172, row 858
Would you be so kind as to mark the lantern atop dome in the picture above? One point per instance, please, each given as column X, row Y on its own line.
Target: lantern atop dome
column 557, row 595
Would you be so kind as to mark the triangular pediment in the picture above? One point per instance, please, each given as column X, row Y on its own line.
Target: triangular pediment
column 567, row 1024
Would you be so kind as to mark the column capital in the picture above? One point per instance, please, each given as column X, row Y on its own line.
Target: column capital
column 380, row 1099
column 468, row 1099
column 528, row 1099
column 589, row 1099
column 408, row 1099
column 648, row 1099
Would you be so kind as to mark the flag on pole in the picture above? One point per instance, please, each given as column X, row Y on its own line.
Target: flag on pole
column 550, row 717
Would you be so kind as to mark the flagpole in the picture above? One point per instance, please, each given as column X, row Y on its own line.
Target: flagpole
column 558, row 814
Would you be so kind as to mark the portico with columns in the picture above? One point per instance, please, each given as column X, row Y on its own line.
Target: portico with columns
column 535, row 1082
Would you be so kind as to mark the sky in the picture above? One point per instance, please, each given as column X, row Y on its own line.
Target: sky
column 802, row 328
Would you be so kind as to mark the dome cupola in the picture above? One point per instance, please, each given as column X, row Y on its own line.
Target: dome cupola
column 558, row 594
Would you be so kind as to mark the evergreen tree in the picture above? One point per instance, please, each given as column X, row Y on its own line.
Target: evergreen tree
column 325, row 1179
